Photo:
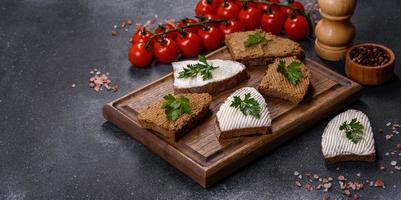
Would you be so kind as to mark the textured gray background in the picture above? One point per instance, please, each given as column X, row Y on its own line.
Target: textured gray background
column 54, row 143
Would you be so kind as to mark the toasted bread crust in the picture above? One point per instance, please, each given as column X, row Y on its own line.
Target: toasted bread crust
column 153, row 117
column 345, row 158
column 217, row 86
column 274, row 84
column 260, row 55
column 235, row 133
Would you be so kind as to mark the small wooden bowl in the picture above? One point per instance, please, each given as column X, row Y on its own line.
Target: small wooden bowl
column 369, row 75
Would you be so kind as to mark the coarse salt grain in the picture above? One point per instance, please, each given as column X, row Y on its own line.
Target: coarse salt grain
column 297, row 183
column 388, row 124
column 73, row 85
column 379, row 183
column 296, row 173
column 315, row 176
column 393, row 163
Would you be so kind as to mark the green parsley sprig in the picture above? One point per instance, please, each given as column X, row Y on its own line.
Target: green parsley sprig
column 254, row 39
column 353, row 130
column 248, row 106
column 175, row 107
column 203, row 68
column 292, row 72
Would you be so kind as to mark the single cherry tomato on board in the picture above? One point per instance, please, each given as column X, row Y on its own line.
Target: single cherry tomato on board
column 297, row 28
column 139, row 56
column 230, row 27
column 167, row 27
column 211, row 37
column 273, row 22
column 250, row 17
column 288, row 11
column 165, row 50
column 141, row 36
column 266, row 8
column 188, row 21
column 206, row 7
column 189, row 44
column 228, row 10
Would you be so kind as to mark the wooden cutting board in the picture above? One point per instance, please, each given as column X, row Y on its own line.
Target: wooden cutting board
column 199, row 154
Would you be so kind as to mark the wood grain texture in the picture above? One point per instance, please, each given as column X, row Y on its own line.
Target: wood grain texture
column 199, row 154
column 366, row 75
column 334, row 32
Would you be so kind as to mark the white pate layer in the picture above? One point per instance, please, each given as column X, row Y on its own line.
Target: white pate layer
column 225, row 70
column 230, row 118
column 335, row 142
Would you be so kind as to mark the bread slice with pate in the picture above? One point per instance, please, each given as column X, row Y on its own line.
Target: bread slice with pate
column 276, row 84
column 232, row 122
column 226, row 75
column 154, row 116
column 348, row 137
column 264, row 53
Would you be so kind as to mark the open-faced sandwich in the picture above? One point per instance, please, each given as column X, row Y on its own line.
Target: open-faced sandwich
column 244, row 112
column 173, row 116
column 286, row 78
column 207, row 76
column 258, row 48
column 348, row 137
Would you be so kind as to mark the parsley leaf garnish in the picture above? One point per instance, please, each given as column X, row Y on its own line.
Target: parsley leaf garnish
column 292, row 73
column 255, row 39
column 353, row 130
column 248, row 106
column 203, row 68
column 175, row 107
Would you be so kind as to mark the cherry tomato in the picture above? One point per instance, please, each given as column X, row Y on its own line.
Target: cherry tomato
column 189, row 44
column 165, row 50
column 166, row 27
column 238, row 2
column 141, row 36
column 297, row 28
column 228, row 10
column 249, row 17
column 231, row 27
column 139, row 56
column 206, row 7
column 296, row 4
column 188, row 21
column 266, row 8
column 273, row 22
column 211, row 37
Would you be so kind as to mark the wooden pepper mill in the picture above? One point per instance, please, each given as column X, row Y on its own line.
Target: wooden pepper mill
column 334, row 32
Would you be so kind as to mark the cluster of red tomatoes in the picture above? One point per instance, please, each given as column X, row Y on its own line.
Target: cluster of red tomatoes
column 189, row 36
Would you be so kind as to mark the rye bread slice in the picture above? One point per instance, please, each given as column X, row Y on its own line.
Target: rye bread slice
column 336, row 147
column 154, row 118
column 274, row 83
column 261, row 54
column 227, row 75
column 232, row 123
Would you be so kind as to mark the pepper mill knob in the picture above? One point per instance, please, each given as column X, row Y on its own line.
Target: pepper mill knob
column 334, row 32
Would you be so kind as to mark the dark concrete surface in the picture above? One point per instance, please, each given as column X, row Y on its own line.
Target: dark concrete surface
column 55, row 144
